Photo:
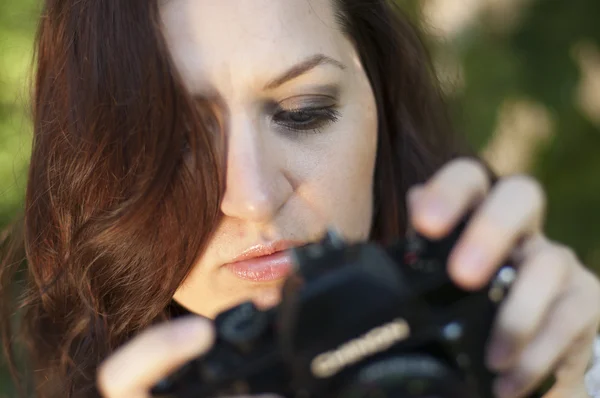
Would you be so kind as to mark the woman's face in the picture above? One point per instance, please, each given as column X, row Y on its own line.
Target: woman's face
column 301, row 137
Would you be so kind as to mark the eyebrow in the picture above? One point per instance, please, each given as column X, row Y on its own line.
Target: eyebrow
column 301, row 68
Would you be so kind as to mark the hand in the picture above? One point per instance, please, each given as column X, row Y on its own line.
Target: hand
column 137, row 366
column 549, row 321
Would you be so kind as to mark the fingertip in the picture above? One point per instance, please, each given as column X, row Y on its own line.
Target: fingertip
column 144, row 360
column 468, row 283
column 430, row 226
column 431, row 217
column 466, row 267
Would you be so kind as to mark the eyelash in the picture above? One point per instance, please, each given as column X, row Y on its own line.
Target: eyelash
column 319, row 118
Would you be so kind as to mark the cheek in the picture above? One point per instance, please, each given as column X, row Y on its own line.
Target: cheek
column 346, row 176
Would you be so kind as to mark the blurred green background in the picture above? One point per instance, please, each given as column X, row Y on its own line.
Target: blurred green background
column 522, row 77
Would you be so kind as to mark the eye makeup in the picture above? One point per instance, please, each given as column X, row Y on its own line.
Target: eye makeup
column 307, row 113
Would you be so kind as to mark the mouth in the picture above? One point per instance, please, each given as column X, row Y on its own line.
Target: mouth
column 264, row 263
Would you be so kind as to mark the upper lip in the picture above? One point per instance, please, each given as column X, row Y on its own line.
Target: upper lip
column 266, row 249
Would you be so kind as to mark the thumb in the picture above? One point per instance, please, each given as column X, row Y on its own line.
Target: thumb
column 134, row 368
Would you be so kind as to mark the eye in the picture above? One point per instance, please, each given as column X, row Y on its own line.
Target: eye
column 300, row 117
column 305, row 119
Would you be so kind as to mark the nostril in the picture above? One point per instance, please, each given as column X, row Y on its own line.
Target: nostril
column 251, row 204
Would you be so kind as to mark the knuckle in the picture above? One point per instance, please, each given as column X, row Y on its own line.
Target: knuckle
column 568, row 255
column 528, row 186
column 595, row 284
column 563, row 260
column 513, row 326
column 467, row 163
column 592, row 285
column 471, row 167
column 531, row 368
column 558, row 257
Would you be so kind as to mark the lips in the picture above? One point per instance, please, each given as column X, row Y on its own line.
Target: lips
column 264, row 263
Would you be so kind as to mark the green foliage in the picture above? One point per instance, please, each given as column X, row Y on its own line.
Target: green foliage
column 570, row 166
column 17, row 25
column 531, row 60
column 535, row 60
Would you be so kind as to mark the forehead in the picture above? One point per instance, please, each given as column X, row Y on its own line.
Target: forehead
column 227, row 42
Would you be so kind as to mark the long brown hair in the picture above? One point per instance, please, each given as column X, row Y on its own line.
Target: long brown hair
column 113, row 204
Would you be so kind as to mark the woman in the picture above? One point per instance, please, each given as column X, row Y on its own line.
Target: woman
column 176, row 140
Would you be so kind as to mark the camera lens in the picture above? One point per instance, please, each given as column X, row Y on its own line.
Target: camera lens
column 411, row 376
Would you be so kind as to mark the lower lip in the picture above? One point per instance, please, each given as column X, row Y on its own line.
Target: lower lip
column 263, row 269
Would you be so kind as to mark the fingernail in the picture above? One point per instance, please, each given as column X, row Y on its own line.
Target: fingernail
column 469, row 263
column 435, row 215
column 505, row 387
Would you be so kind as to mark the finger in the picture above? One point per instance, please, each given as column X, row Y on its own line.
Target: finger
column 530, row 373
column 138, row 365
column 514, row 209
column 573, row 366
column 571, row 392
column 542, row 279
column 443, row 201
column 563, row 336
column 570, row 372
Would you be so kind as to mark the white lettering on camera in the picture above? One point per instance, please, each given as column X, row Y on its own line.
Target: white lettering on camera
column 376, row 340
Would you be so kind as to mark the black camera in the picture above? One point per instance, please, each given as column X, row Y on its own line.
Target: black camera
column 358, row 321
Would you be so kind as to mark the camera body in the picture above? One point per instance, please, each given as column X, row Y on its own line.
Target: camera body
column 357, row 320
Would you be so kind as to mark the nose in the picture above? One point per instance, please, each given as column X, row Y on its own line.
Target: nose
column 256, row 183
